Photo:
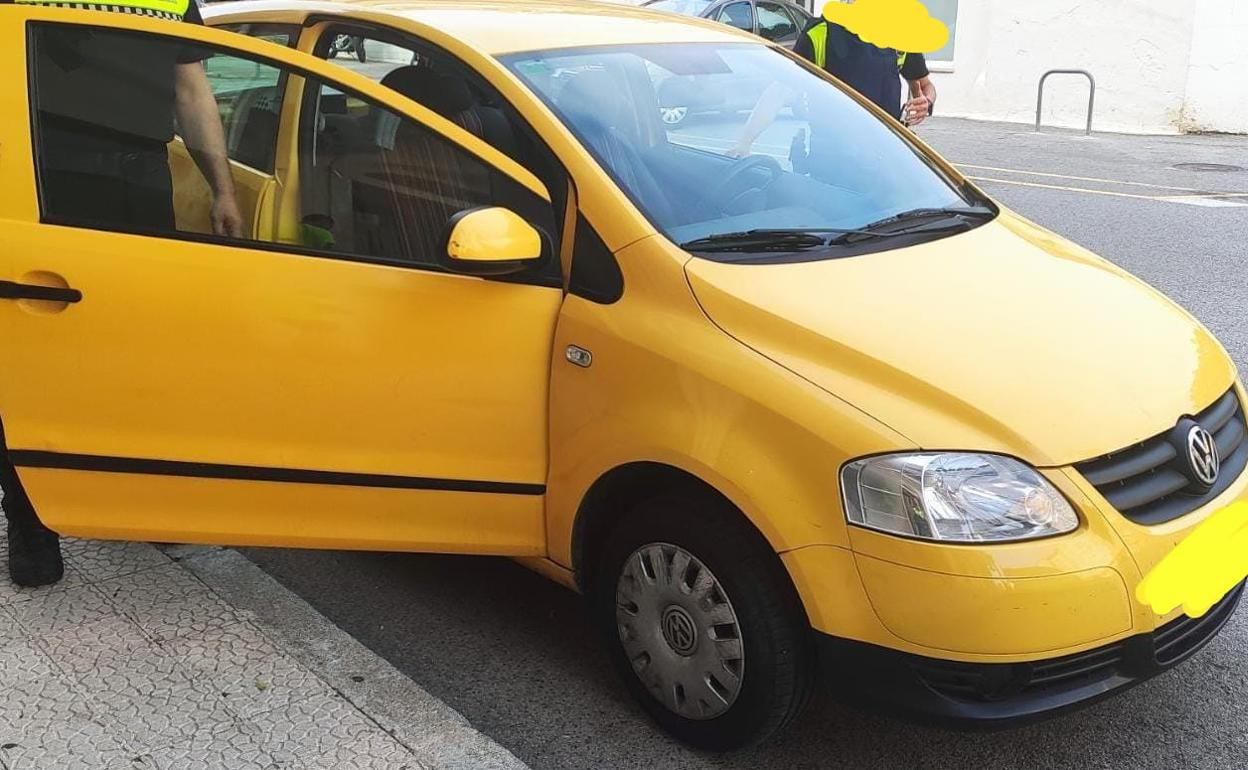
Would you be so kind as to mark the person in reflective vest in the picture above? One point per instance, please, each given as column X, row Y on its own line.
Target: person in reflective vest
column 100, row 136
column 103, row 131
column 870, row 70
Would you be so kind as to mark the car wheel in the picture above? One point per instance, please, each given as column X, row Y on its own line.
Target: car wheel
column 673, row 116
column 703, row 624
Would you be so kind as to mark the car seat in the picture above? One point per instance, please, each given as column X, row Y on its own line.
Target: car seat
column 451, row 97
column 592, row 103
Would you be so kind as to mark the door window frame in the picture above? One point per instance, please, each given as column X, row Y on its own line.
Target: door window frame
column 269, row 168
column 784, row 11
column 304, row 76
column 719, row 14
column 258, row 29
column 546, row 273
column 323, row 29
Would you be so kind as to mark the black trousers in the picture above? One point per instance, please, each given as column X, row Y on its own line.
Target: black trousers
column 17, row 507
column 112, row 185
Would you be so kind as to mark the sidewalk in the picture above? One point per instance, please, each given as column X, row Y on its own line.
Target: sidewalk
column 182, row 658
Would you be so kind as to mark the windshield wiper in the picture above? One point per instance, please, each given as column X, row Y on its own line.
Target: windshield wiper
column 942, row 219
column 768, row 240
column 802, row 239
column 913, row 215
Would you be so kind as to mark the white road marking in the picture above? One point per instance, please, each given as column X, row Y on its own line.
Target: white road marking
column 1080, row 178
column 1213, row 203
column 1208, row 200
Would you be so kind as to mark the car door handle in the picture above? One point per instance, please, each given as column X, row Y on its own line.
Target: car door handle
column 11, row 290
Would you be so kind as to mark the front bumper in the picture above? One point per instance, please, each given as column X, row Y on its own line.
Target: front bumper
column 1001, row 695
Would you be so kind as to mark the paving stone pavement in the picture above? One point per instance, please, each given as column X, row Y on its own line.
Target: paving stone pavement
column 133, row 662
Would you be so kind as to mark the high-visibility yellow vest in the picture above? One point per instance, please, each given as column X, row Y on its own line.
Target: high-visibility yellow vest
column 818, row 35
column 161, row 9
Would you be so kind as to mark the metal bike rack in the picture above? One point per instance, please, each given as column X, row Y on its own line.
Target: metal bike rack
column 1091, row 93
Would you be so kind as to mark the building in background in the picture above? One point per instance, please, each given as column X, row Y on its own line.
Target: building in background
column 1161, row 66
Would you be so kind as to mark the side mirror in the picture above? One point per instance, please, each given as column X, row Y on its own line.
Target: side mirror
column 491, row 241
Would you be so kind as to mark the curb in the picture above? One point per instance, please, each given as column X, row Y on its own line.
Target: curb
column 436, row 734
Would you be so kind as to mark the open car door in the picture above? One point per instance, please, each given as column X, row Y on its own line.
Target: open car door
column 324, row 380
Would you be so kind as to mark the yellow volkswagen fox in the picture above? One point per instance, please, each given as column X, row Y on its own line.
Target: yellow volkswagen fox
column 821, row 400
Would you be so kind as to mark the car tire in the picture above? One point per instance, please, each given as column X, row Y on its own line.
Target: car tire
column 702, row 623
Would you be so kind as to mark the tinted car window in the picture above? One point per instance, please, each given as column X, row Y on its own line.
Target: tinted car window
column 108, row 150
column 438, row 82
column 738, row 15
column 775, row 23
column 279, row 34
column 376, row 184
column 111, row 155
column 249, row 97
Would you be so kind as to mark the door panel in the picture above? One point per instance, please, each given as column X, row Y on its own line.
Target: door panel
column 198, row 353
column 192, row 197
column 228, row 392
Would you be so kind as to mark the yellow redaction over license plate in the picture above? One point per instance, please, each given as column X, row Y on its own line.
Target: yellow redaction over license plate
column 1201, row 569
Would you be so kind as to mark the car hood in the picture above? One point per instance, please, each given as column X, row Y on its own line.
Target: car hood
column 1006, row 338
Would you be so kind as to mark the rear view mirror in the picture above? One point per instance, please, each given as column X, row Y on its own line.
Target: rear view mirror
column 491, row 241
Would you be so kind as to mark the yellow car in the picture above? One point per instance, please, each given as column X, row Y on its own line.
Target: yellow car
column 808, row 396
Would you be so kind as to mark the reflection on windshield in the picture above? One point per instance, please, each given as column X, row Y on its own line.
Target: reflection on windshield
column 670, row 123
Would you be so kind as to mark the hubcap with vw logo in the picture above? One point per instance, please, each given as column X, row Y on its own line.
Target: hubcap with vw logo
column 679, row 631
column 1202, row 456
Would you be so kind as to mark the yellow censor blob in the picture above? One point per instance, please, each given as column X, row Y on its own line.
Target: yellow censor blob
column 901, row 24
column 1201, row 569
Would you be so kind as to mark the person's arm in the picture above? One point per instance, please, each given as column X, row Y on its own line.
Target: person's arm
column 922, row 98
column 922, row 92
column 199, row 124
column 761, row 118
column 771, row 102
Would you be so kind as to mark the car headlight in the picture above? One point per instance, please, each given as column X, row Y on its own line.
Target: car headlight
column 954, row 496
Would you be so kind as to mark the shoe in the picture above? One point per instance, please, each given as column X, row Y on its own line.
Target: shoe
column 34, row 556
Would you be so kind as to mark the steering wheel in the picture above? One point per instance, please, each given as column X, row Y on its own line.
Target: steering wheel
column 727, row 192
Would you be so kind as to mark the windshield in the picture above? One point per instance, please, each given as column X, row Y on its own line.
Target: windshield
column 671, row 123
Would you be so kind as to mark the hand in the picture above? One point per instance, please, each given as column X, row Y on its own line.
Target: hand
column 738, row 150
column 226, row 218
column 916, row 111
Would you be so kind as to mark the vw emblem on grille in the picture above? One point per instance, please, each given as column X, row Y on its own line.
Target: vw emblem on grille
column 1202, row 456
column 679, row 631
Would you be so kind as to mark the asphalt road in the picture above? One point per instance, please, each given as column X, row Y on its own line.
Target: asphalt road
column 515, row 654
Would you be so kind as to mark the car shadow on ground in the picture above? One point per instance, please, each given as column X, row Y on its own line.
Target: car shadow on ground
column 517, row 656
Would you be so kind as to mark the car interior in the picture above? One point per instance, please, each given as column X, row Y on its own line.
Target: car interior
column 387, row 186
column 667, row 178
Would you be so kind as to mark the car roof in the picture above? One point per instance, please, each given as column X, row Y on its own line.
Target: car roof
column 506, row 26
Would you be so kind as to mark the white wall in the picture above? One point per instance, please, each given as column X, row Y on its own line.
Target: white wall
column 1216, row 99
column 1161, row 66
column 1137, row 50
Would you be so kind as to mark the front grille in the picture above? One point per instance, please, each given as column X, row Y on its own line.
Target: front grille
column 1074, row 669
column 1135, row 657
column 1149, row 483
column 1179, row 638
